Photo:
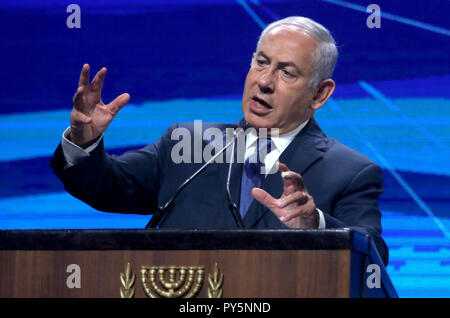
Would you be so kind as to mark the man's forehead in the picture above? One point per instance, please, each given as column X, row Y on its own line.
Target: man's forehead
column 287, row 31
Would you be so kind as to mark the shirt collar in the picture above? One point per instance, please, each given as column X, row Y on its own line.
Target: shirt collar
column 281, row 142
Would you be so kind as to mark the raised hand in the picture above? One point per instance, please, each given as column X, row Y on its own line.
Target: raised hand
column 295, row 208
column 90, row 117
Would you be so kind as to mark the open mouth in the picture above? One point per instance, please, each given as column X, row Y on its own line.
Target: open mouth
column 261, row 102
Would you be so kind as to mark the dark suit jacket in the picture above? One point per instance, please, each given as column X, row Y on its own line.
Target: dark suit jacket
column 345, row 185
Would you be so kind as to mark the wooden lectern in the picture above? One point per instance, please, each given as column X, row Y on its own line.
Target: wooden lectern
column 190, row 263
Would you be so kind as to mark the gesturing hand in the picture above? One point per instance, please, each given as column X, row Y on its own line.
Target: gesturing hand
column 295, row 208
column 90, row 117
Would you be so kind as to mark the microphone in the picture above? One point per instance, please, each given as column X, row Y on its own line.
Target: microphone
column 162, row 210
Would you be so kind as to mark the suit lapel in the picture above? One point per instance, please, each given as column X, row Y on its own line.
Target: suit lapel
column 306, row 149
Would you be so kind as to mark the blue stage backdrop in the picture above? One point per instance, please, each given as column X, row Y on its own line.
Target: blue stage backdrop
column 185, row 60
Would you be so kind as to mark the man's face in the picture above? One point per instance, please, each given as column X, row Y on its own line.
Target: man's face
column 276, row 91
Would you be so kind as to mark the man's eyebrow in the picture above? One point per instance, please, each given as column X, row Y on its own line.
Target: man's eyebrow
column 281, row 64
column 263, row 55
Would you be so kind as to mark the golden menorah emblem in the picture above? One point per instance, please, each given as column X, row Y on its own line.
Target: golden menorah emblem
column 172, row 281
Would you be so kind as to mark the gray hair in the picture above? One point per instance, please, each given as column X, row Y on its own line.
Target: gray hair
column 326, row 54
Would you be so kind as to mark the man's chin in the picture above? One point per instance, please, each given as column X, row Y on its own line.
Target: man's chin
column 258, row 122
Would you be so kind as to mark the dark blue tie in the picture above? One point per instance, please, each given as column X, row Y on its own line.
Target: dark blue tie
column 251, row 175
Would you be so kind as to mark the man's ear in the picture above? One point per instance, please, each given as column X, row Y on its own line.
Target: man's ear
column 323, row 91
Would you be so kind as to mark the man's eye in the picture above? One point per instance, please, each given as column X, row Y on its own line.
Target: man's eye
column 261, row 62
column 288, row 74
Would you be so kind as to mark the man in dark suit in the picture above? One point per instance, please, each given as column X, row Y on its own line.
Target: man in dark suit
column 322, row 184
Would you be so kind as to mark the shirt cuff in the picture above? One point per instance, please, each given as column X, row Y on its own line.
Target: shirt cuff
column 74, row 153
column 321, row 219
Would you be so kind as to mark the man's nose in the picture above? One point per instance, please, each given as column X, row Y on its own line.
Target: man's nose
column 266, row 83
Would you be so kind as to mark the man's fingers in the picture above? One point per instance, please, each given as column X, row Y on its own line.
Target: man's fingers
column 305, row 211
column 78, row 98
column 298, row 198
column 118, row 103
column 97, row 82
column 84, row 76
column 282, row 167
column 263, row 197
column 292, row 182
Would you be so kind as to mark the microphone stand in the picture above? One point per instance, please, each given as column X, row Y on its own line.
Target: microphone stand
column 234, row 210
column 162, row 210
